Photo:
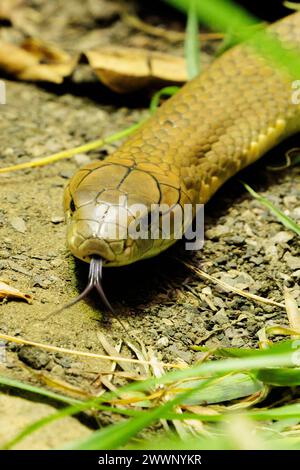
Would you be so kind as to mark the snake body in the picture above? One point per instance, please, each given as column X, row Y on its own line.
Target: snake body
column 217, row 124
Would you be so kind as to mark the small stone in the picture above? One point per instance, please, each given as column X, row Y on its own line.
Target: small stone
column 56, row 263
column 257, row 260
column 33, row 357
column 237, row 342
column 19, row 269
column 221, row 317
column 82, row 159
column 235, row 240
column 57, row 370
column 57, row 219
column 230, row 333
column 186, row 356
column 63, row 361
column 217, row 232
column 282, row 237
column 293, row 262
column 39, row 281
column 67, row 174
column 296, row 213
column 4, row 254
column 12, row 198
column 18, row 224
column 162, row 342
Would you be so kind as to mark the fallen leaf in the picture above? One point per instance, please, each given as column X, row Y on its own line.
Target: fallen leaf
column 112, row 351
column 125, row 69
column 122, row 69
column 14, row 59
column 7, row 291
column 36, row 61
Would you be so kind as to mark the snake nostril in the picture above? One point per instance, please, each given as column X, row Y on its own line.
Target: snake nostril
column 72, row 206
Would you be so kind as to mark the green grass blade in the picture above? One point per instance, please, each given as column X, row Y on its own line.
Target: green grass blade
column 4, row 381
column 292, row 5
column 115, row 436
column 225, row 15
column 192, row 43
column 228, row 387
column 219, row 14
column 284, row 219
column 280, row 355
column 282, row 377
column 155, row 100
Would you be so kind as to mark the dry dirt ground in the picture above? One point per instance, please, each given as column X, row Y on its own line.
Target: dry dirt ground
column 159, row 300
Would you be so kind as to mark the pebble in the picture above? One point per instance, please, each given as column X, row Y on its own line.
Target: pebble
column 57, row 219
column 217, row 232
column 221, row 317
column 296, row 213
column 67, row 174
column 33, row 357
column 19, row 269
column 293, row 262
column 82, row 159
column 39, row 281
column 56, row 263
column 12, row 198
column 184, row 355
column 162, row 342
column 282, row 237
column 230, row 333
column 257, row 260
column 58, row 370
column 18, row 224
column 237, row 342
column 63, row 361
column 235, row 240
column 4, row 254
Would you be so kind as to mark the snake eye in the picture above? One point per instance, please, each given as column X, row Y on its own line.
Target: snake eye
column 72, row 206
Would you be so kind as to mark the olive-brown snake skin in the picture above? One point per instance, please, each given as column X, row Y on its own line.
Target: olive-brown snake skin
column 217, row 124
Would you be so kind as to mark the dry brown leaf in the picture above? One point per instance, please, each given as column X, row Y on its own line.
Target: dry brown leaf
column 7, row 291
column 14, row 59
column 125, row 69
column 111, row 350
column 37, row 61
column 122, row 69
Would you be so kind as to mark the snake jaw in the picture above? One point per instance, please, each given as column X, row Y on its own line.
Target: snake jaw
column 85, row 243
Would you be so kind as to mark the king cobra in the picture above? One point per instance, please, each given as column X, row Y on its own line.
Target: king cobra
column 217, row 124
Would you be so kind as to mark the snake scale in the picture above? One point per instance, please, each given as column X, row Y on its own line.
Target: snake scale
column 217, row 124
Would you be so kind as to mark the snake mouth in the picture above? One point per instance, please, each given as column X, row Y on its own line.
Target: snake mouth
column 95, row 248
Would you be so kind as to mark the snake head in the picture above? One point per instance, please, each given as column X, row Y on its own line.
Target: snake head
column 122, row 213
